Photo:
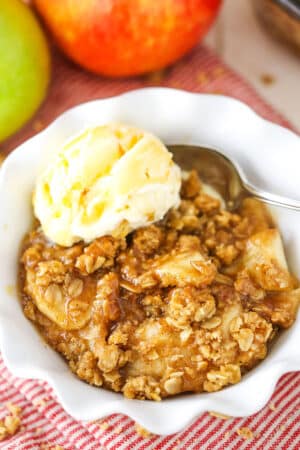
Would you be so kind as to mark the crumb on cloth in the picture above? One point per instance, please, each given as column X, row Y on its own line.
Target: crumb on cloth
column 245, row 433
column 103, row 426
column 202, row 77
column 15, row 410
column 272, row 407
column 218, row 71
column 142, row 431
column 39, row 402
column 10, row 425
column 219, row 415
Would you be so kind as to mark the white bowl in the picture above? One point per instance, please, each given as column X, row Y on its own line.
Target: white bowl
column 270, row 157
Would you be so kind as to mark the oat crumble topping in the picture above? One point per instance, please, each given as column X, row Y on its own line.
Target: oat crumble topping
column 188, row 304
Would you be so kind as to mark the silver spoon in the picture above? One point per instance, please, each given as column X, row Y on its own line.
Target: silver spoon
column 225, row 176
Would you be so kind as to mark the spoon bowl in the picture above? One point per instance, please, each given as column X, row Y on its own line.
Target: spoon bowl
column 225, row 176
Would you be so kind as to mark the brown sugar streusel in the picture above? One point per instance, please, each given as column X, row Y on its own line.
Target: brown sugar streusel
column 188, row 304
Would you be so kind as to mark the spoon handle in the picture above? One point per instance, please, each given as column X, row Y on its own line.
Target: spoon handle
column 273, row 199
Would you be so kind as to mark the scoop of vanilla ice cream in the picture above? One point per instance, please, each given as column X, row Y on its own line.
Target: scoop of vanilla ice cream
column 109, row 179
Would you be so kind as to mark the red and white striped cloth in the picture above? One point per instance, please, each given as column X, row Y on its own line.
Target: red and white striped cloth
column 276, row 426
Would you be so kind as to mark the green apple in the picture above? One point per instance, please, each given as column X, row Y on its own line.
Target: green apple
column 24, row 65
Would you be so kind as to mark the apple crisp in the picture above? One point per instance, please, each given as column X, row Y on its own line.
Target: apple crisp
column 188, row 304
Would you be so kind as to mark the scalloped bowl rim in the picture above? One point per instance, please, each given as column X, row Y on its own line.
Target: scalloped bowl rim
column 177, row 117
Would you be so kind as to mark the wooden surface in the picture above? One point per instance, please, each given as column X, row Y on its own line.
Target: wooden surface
column 267, row 64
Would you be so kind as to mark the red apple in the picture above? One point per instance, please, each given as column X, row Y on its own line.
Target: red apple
column 127, row 37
